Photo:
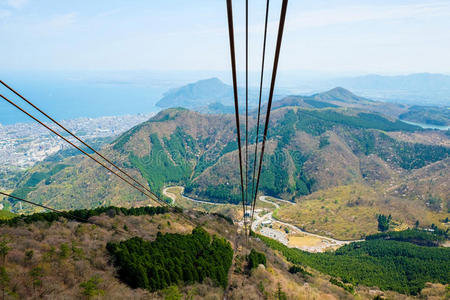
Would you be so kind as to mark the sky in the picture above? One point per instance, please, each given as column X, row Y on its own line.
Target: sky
column 332, row 36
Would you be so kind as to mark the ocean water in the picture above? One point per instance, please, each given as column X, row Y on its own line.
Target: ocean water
column 75, row 94
column 65, row 99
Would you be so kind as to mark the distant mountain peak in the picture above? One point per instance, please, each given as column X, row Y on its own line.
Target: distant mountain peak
column 210, row 80
column 338, row 94
column 197, row 94
column 339, row 90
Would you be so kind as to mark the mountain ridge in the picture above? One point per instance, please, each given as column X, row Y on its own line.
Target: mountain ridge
column 411, row 89
column 213, row 96
column 308, row 150
column 340, row 94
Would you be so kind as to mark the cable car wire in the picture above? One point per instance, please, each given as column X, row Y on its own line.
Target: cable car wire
column 259, row 103
column 246, row 103
column 81, row 150
column 235, row 94
column 68, row 214
column 76, row 137
column 272, row 87
column 43, row 206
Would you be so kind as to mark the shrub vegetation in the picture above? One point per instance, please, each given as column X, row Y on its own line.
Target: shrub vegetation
column 84, row 214
column 255, row 259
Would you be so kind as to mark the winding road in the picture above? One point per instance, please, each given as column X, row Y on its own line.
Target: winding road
column 174, row 197
column 278, row 235
column 170, row 195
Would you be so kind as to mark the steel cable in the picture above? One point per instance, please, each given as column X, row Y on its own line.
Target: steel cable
column 272, row 87
column 235, row 94
column 76, row 137
column 78, row 148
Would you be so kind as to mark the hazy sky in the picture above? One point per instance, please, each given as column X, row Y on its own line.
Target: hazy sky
column 337, row 36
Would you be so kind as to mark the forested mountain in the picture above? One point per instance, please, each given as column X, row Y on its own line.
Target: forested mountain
column 340, row 97
column 310, row 149
column 214, row 96
column 428, row 115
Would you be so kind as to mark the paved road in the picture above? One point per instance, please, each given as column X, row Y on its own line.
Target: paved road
column 170, row 195
column 278, row 235
column 264, row 199
column 173, row 196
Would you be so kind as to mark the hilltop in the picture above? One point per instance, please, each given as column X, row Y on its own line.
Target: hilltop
column 208, row 96
column 341, row 97
column 411, row 89
column 200, row 93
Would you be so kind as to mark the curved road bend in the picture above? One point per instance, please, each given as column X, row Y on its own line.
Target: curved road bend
column 260, row 219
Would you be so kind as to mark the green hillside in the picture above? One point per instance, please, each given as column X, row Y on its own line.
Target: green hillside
column 439, row 116
column 6, row 215
column 181, row 147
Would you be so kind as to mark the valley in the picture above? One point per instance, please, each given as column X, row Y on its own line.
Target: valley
column 264, row 223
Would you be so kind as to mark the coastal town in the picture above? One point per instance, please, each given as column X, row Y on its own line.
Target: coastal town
column 24, row 144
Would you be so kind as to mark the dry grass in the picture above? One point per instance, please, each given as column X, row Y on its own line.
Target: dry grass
column 435, row 291
column 60, row 276
column 302, row 240
column 425, row 137
column 350, row 212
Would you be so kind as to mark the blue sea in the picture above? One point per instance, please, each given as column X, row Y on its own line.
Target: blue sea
column 70, row 96
column 75, row 94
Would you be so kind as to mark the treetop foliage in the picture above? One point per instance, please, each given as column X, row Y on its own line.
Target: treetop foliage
column 172, row 259
column 387, row 264
column 384, row 222
column 255, row 259
column 415, row 236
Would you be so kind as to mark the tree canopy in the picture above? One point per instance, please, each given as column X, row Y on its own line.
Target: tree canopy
column 172, row 259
